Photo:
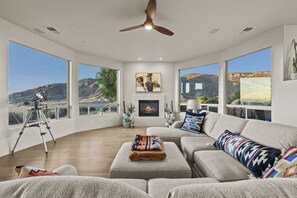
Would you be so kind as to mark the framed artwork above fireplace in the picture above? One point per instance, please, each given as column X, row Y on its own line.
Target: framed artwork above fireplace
column 148, row 82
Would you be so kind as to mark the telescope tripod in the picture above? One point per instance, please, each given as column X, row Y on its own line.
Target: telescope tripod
column 41, row 120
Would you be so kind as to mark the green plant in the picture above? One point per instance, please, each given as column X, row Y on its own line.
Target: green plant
column 128, row 116
column 47, row 112
column 295, row 58
column 203, row 99
column 107, row 81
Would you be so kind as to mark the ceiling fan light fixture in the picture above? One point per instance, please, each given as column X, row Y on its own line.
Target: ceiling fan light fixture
column 148, row 27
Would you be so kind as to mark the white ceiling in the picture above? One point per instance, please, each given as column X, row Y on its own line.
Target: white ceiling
column 92, row 26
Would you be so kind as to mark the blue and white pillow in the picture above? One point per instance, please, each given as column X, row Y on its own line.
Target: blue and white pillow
column 193, row 122
column 256, row 157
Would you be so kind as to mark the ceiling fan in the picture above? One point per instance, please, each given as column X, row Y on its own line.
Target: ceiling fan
column 148, row 24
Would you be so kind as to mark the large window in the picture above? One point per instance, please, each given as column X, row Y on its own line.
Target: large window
column 97, row 90
column 200, row 83
column 249, row 86
column 32, row 72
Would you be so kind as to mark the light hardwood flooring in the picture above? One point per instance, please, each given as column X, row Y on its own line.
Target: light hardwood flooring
column 91, row 152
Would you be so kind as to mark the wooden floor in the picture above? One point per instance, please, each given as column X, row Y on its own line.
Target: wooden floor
column 91, row 152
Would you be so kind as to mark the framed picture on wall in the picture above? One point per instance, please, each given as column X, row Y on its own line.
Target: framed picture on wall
column 148, row 82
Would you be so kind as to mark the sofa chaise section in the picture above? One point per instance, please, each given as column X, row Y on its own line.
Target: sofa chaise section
column 219, row 165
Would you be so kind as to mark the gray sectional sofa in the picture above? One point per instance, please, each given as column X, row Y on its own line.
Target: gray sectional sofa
column 207, row 161
column 89, row 187
column 216, row 174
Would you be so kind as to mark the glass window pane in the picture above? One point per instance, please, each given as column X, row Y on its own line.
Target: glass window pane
column 249, row 85
column 249, row 79
column 30, row 72
column 200, row 83
column 97, row 89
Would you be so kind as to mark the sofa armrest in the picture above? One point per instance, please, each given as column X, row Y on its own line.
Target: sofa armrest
column 177, row 124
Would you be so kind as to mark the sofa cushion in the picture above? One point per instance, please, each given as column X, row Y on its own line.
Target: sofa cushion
column 209, row 122
column 68, row 186
column 190, row 145
column 219, row 165
column 169, row 134
column 286, row 167
column 256, row 157
column 271, row 134
column 141, row 184
column 159, row 188
column 258, row 188
column 193, row 122
column 226, row 122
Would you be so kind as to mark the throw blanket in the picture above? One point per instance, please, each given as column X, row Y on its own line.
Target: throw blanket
column 147, row 143
column 147, row 155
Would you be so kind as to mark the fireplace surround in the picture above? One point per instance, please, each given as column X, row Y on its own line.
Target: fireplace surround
column 148, row 108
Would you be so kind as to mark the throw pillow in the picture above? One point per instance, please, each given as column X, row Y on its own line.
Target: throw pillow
column 193, row 122
column 256, row 157
column 29, row 171
column 286, row 167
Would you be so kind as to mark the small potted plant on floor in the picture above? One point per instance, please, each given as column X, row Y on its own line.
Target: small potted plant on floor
column 294, row 74
column 128, row 115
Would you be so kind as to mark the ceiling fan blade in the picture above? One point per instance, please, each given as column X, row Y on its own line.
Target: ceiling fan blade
column 131, row 28
column 151, row 9
column 163, row 30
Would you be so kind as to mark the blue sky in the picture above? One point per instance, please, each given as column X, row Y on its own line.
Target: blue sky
column 87, row 71
column 29, row 68
column 259, row 61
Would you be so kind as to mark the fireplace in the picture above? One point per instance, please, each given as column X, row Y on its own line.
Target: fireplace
column 149, row 108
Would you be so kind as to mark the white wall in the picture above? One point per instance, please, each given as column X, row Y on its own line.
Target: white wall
column 284, row 93
column 8, row 135
column 168, row 81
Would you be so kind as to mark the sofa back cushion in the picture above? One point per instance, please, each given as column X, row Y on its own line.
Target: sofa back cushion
column 271, row 134
column 209, row 122
column 226, row 122
column 256, row 157
column 68, row 186
column 244, row 189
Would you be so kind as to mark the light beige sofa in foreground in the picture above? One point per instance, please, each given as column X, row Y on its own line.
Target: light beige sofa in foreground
column 207, row 161
column 87, row 187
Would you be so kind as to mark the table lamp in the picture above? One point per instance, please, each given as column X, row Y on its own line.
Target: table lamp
column 194, row 105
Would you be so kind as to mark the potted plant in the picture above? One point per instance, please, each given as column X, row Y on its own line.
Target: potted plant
column 294, row 74
column 170, row 115
column 128, row 115
column 101, row 111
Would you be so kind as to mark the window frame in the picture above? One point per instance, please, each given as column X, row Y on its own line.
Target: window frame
column 248, row 107
column 24, row 110
column 117, row 102
column 206, row 106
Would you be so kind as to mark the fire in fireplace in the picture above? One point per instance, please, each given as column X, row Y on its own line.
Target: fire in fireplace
column 149, row 108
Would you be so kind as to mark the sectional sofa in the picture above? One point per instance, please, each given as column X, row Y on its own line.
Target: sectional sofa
column 216, row 174
column 90, row 187
column 207, row 161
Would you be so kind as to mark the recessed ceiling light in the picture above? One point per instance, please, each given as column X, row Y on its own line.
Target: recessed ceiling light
column 161, row 58
column 139, row 58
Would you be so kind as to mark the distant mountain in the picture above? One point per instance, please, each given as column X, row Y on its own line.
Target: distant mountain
column 88, row 91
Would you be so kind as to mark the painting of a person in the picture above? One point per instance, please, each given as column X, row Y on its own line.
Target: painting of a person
column 149, row 82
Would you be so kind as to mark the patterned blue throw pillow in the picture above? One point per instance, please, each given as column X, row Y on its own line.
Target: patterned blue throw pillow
column 256, row 157
column 193, row 122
